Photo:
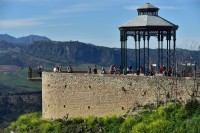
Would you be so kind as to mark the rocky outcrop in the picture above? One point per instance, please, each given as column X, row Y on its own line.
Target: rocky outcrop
column 20, row 99
column 12, row 106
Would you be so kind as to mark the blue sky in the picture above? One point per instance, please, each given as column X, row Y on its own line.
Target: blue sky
column 94, row 21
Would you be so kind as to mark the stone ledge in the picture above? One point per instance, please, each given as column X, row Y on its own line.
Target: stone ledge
column 39, row 79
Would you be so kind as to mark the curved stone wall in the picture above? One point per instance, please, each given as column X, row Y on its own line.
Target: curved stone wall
column 80, row 95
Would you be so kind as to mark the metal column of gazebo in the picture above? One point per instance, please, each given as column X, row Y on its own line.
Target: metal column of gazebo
column 145, row 25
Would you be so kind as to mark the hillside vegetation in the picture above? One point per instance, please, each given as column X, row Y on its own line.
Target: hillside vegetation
column 40, row 50
column 173, row 118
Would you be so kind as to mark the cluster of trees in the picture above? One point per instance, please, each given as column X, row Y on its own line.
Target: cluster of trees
column 174, row 118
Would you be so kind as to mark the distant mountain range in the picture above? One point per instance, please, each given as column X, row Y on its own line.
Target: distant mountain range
column 23, row 40
column 41, row 50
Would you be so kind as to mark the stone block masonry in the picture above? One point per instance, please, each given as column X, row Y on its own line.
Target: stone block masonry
column 81, row 95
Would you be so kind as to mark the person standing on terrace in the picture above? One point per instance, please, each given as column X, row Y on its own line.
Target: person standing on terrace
column 29, row 72
column 95, row 69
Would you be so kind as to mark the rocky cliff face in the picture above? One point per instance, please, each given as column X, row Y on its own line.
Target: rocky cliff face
column 11, row 106
column 74, row 52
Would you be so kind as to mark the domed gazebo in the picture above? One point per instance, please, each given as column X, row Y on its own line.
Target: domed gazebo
column 147, row 24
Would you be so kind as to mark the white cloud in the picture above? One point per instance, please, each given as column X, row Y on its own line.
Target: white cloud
column 87, row 6
column 131, row 7
column 29, row 0
column 26, row 22
column 74, row 9
column 168, row 7
column 56, row 25
column 16, row 23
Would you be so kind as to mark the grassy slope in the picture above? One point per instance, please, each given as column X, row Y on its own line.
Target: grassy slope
column 14, row 82
column 175, row 118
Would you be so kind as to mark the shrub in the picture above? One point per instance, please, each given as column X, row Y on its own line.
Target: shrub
column 77, row 120
column 127, row 125
column 139, row 128
column 90, row 121
column 22, row 128
column 71, row 128
column 35, row 121
column 192, row 125
column 191, row 107
column 174, row 112
column 46, row 127
column 112, row 123
column 158, row 126
column 197, row 112
column 57, row 127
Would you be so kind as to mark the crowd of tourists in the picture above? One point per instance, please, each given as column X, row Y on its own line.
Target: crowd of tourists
column 58, row 69
column 40, row 68
column 113, row 70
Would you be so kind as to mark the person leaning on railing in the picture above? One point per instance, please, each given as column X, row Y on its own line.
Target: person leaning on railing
column 29, row 72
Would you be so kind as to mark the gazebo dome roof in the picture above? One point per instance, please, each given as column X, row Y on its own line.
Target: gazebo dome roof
column 148, row 18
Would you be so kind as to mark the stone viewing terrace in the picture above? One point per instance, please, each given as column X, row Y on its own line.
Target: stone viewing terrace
column 36, row 78
column 83, row 94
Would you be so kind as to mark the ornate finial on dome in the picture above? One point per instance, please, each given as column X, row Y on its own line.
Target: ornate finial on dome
column 148, row 9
